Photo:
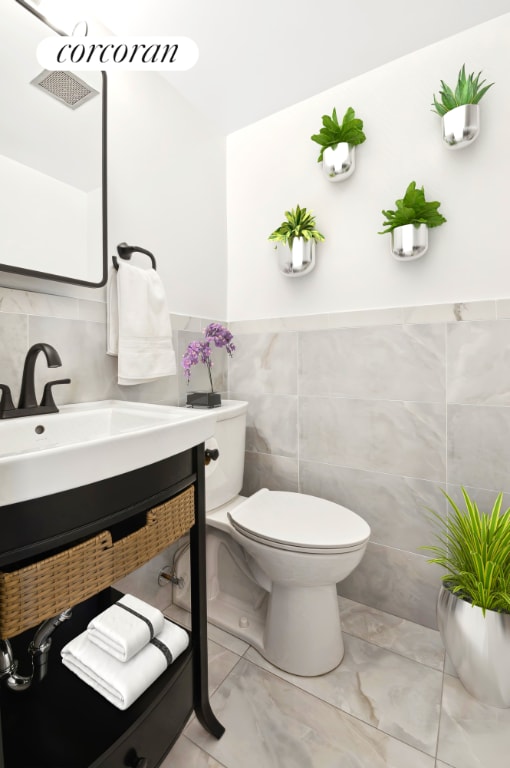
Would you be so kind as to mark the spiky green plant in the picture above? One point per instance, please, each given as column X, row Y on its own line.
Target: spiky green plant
column 474, row 548
column 469, row 90
column 333, row 133
column 413, row 209
column 299, row 223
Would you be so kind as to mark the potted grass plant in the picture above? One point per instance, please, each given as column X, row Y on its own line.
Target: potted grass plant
column 473, row 609
column 295, row 240
column 338, row 142
column 459, row 108
column 410, row 222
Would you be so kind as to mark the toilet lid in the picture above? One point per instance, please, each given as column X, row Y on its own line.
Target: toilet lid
column 299, row 521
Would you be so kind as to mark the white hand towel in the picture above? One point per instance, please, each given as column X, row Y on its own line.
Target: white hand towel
column 125, row 627
column 139, row 330
column 121, row 683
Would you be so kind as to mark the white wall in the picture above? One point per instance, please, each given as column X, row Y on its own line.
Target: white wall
column 166, row 193
column 166, row 171
column 94, row 235
column 271, row 166
column 37, row 210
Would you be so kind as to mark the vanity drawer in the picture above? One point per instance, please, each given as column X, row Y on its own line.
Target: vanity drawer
column 148, row 741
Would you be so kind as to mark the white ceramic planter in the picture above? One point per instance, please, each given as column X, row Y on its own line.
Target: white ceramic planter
column 478, row 647
column 409, row 242
column 339, row 163
column 461, row 126
column 298, row 260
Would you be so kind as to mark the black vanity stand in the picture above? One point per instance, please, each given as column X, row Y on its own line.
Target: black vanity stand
column 62, row 722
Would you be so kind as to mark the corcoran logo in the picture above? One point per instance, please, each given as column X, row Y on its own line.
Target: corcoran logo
column 110, row 53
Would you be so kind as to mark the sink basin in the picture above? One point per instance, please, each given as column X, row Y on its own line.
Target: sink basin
column 88, row 442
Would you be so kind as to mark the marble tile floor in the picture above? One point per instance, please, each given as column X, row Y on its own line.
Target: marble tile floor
column 390, row 704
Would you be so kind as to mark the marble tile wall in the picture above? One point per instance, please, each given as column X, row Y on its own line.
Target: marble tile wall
column 376, row 410
column 380, row 411
column 77, row 330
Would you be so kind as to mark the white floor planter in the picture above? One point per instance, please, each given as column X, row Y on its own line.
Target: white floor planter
column 461, row 126
column 298, row 260
column 478, row 647
column 339, row 163
column 409, row 242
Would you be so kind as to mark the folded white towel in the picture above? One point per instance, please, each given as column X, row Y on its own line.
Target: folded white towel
column 139, row 330
column 125, row 627
column 121, row 683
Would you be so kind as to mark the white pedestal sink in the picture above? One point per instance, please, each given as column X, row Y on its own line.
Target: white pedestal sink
column 88, row 442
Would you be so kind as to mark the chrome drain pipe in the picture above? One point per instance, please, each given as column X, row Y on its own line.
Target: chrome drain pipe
column 39, row 651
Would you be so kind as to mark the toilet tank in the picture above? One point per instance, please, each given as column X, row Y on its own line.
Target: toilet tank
column 224, row 477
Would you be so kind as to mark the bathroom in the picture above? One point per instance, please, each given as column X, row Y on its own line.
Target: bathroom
column 367, row 380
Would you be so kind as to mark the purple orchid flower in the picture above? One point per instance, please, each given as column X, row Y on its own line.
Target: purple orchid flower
column 200, row 351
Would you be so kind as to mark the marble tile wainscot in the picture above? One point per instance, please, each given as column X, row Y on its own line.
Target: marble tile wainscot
column 379, row 410
column 77, row 329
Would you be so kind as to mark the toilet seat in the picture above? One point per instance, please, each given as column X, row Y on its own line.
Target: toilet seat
column 300, row 523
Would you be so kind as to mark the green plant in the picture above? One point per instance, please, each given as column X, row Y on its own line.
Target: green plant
column 333, row 133
column 475, row 550
column 299, row 223
column 413, row 209
column 468, row 90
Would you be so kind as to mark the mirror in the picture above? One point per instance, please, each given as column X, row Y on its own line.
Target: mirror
column 52, row 160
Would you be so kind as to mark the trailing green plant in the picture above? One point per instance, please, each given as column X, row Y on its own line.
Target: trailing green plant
column 333, row 133
column 413, row 209
column 469, row 90
column 299, row 223
column 474, row 548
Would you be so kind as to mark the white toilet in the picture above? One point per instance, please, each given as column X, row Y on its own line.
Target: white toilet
column 273, row 560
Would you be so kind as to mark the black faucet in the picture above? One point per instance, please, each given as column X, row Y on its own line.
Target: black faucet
column 27, row 405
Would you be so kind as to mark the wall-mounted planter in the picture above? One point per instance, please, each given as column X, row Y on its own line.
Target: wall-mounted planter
column 298, row 259
column 338, row 141
column 409, row 242
column 461, row 126
column 338, row 164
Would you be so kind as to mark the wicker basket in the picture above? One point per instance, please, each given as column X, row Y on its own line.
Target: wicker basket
column 165, row 524
column 32, row 594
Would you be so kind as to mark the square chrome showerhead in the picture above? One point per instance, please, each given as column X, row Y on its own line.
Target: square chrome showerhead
column 67, row 87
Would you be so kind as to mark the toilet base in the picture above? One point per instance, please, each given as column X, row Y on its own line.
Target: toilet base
column 234, row 602
column 296, row 629
column 302, row 633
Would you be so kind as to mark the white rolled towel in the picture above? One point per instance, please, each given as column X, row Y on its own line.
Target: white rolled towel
column 125, row 627
column 122, row 682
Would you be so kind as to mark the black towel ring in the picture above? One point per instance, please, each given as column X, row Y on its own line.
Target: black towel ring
column 125, row 251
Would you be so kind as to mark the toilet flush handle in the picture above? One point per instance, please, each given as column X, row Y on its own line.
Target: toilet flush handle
column 211, row 454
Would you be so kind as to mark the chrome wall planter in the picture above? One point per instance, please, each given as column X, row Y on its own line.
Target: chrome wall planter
column 297, row 260
column 410, row 241
column 461, row 126
column 338, row 164
column 478, row 647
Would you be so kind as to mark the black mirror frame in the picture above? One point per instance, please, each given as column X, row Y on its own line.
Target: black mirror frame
column 104, row 187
